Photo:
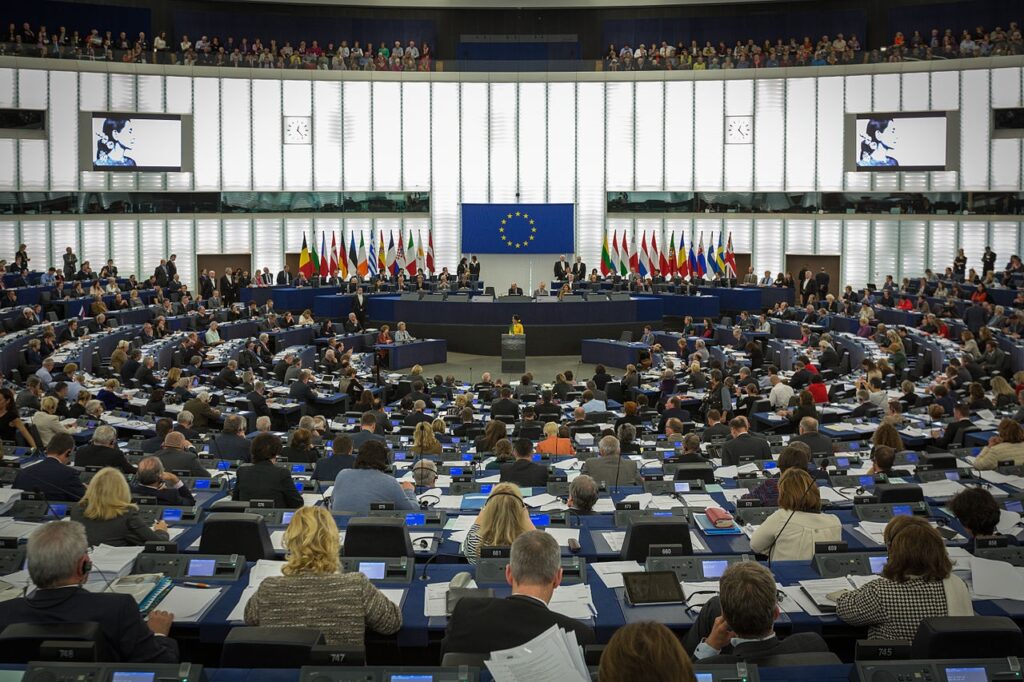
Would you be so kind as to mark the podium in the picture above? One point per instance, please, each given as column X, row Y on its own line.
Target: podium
column 513, row 353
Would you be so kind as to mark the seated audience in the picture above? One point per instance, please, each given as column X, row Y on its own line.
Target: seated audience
column 645, row 651
column 789, row 534
column 108, row 515
column 504, row 518
column 369, row 480
column 263, row 479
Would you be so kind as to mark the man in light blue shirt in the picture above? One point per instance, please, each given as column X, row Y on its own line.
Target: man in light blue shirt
column 48, row 278
column 591, row 404
column 44, row 373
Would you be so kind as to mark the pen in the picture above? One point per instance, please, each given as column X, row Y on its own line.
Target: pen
column 201, row 585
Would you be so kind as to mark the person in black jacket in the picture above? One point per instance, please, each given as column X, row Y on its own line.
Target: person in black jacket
column 744, row 612
column 152, row 481
column 505, row 406
column 301, row 391
column 231, row 442
column 257, row 399
column 743, row 446
column 59, row 564
column 263, row 479
column 522, row 471
column 482, row 625
column 53, row 477
column 673, row 410
column 103, row 451
column 953, row 434
column 327, row 468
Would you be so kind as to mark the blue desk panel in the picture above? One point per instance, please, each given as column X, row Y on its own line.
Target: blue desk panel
column 487, row 312
column 425, row 352
column 697, row 307
column 609, row 352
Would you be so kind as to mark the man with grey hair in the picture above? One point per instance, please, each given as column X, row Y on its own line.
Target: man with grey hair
column 819, row 443
column 583, row 493
column 58, row 563
column 740, row 622
column 231, row 442
column 102, row 451
column 262, row 426
column 301, row 391
column 417, row 415
column 184, row 425
column 153, row 480
column 482, row 625
column 94, row 409
column 611, row 469
column 424, row 473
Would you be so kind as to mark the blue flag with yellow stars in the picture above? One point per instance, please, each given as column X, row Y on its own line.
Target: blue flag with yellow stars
column 518, row 228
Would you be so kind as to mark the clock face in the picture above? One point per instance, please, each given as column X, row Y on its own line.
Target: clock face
column 297, row 130
column 739, row 129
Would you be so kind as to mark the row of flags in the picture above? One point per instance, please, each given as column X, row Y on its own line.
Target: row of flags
column 363, row 262
column 622, row 258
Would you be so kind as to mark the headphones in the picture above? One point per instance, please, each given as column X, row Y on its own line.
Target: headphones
column 513, row 495
column 86, row 566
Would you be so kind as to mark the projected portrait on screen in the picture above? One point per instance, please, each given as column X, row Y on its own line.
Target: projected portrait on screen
column 878, row 143
column 116, row 142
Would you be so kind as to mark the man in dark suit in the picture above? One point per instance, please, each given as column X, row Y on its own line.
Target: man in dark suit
column 167, row 488
column 359, row 306
column 523, row 472
column 953, row 434
column 975, row 317
column 52, row 476
column 263, row 479
column 716, row 428
column 352, row 325
column 163, row 427
column 231, row 442
column 144, row 373
column 611, row 467
column 515, row 290
column 821, row 280
column 59, row 565
column 546, row 408
column 367, row 431
column 258, row 400
column 673, row 410
column 744, row 446
column 562, row 269
column 327, row 468
column 228, row 377
column 417, row 415
column 820, row 444
column 474, row 268
column 482, row 625
column 285, row 278
column 175, row 458
column 801, row 376
column 417, row 393
column 579, row 270
column 206, row 285
column 103, row 451
column 161, row 274
column 829, row 358
column 131, row 366
column 302, row 390
column 739, row 623
column 505, row 406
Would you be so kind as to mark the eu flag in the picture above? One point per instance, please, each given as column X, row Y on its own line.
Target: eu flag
column 518, row 228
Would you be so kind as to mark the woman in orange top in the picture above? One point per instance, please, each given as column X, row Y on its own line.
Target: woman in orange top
column 383, row 337
column 556, row 442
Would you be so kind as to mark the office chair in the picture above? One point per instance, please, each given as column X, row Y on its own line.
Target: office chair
column 967, row 637
column 282, row 647
column 643, row 532
column 377, row 537
column 236, row 533
column 24, row 642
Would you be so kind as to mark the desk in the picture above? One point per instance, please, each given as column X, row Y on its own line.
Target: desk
column 421, row 352
column 752, row 299
column 611, row 353
column 485, row 311
column 294, row 336
column 295, row 299
column 697, row 307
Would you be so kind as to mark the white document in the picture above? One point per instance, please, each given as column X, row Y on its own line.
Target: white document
column 574, row 601
column 610, row 572
column 665, row 502
column 941, row 488
column 394, row 596
column 188, row 604
column 614, row 538
column 552, row 656
column 277, row 540
column 263, row 569
column 435, row 599
column 698, row 546
column 997, row 579
column 1008, row 522
column 860, row 581
column 114, row 560
column 539, row 500
column 643, row 498
column 495, row 478
column 557, row 505
column 604, row 505
column 832, row 495
column 567, row 464
column 699, row 501
column 786, row 603
column 449, row 502
column 563, row 535
column 312, row 499
column 727, row 471
column 463, row 522
column 819, row 589
column 237, row 614
column 797, row 595
column 733, row 495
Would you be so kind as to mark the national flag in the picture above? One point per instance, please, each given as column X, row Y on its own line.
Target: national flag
column 606, row 258
column 660, row 256
column 371, row 263
column 702, row 265
column 314, row 259
column 644, row 257
column 382, row 257
column 333, row 265
column 711, row 261
column 410, row 256
column 421, row 258
column 615, row 253
column 682, row 261
column 634, row 256
column 720, row 254
column 624, row 259
column 353, row 257
column 363, row 268
column 305, row 264
column 430, row 251
column 400, row 256
column 691, row 263
column 390, row 259
column 730, row 259
column 324, row 265
column 342, row 257
column 673, row 268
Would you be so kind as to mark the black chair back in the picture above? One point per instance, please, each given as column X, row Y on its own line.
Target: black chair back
column 236, row 533
column 967, row 637
column 377, row 537
column 643, row 532
column 24, row 642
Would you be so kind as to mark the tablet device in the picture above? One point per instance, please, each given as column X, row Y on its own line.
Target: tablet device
column 652, row 588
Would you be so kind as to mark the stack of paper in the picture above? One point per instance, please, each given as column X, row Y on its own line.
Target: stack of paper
column 9, row 528
column 563, row 535
column 996, row 580
column 1001, row 479
column 552, row 656
column 8, row 496
column 262, row 570
column 615, row 539
column 643, row 499
column 574, row 601
column 110, row 563
column 610, row 572
column 540, row 500
column 604, row 505
column 435, row 602
column 700, row 593
column 818, row 590
column 941, row 489
column 189, row 604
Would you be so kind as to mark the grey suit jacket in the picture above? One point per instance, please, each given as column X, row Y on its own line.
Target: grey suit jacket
column 612, row 469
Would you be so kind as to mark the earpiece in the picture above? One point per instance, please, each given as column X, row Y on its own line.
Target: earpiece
column 86, row 566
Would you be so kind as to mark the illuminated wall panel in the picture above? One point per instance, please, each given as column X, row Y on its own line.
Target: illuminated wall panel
column 124, row 245
column 679, row 134
column 297, row 100
column 268, row 249
column 974, row 130
column 444, row 172
column 206, row 134
column 32, row 89
column 151, row 93
column 770, row 134
column 8, row 92
column 387, row 138
column 710, row 137
column 801, row 98
column 94, row 248
column 532, row 152
column 474, row 150
column 767, row 253
column 942, row 244
column 327, row 151
column 619, row 136
column 591, row 199
column 649, row 115
column 266, row 135
column 856, row 253
column 62, row 129
column 913, row 236
column 179, row 242
column 504, row 163
column 830, row 133
column 416, row 136
column 561, row 144
column 236, row 134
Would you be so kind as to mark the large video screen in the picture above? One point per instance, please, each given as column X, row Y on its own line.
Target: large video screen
column 900, row 142
column 136, row 142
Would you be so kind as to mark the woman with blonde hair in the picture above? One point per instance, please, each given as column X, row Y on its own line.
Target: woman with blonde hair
column 173, row 376
column 554, row 442
column 46, row 421
column 119, row 356
column 504, row 518
column 110, row 518
column 306, row 317
column 1002, row 391
column 970, row 345
column 424, row 442
column 346, row 604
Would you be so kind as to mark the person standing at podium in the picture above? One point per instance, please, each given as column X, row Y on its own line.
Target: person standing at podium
column 474, row 269
column 516, row 327
column 515, row 290
column 359, row 306
column 561, row 269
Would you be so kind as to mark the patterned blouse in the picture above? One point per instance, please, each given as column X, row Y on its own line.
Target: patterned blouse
column 342, row 606
column 893, row 610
